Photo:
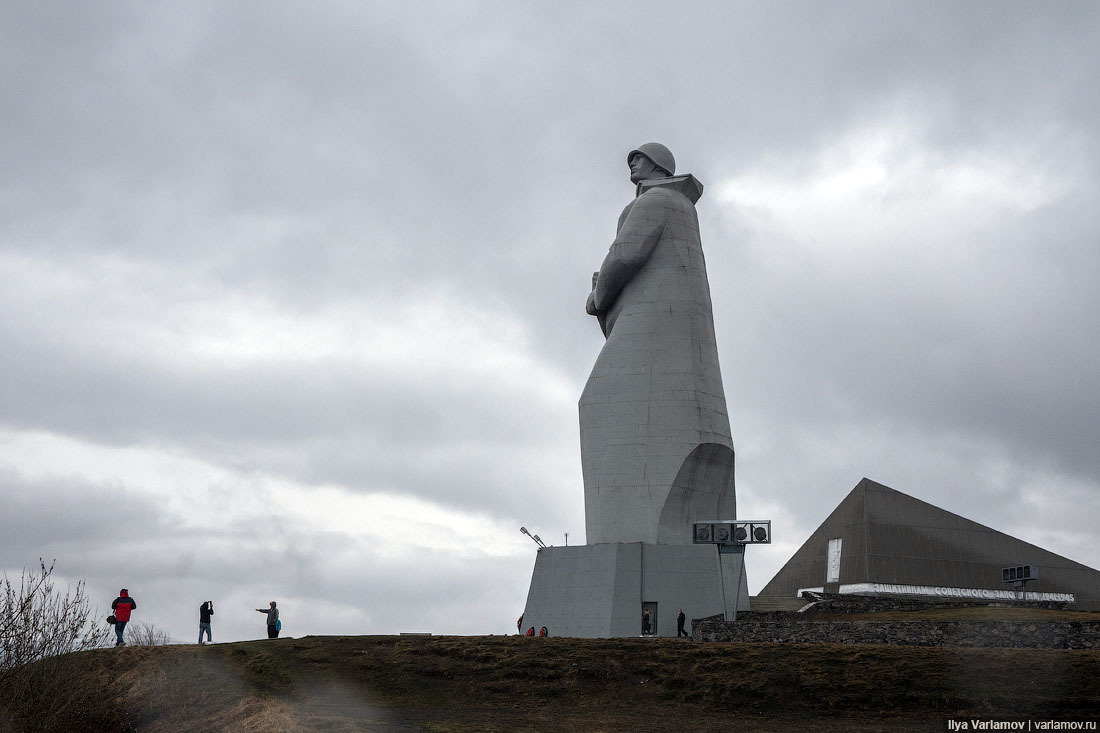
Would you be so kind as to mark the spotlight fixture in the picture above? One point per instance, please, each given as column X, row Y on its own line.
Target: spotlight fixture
column 534, row 537
column 729, row 532
column 1020, row 574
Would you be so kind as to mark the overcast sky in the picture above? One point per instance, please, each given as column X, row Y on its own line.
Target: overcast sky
column 292, row 294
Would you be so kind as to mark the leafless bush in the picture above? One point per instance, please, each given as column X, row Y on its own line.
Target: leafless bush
column 144, row 634
column 37, row 621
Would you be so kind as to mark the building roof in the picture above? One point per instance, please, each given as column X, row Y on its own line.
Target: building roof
column 888, row 537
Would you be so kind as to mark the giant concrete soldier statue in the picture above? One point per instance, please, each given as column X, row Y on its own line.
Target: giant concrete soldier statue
column 656, row 448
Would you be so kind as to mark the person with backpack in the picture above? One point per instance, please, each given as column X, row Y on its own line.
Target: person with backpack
column 206, row 610
column 122, row 606
column 273, row 623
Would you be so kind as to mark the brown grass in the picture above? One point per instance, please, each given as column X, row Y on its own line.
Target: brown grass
column 452, row 684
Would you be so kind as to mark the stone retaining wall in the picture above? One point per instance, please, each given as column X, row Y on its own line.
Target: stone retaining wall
column 801, row 630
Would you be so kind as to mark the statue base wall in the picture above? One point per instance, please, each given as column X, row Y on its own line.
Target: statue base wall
column 600, row 591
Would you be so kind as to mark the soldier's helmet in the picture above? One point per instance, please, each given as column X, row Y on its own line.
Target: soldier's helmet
column 659, row 154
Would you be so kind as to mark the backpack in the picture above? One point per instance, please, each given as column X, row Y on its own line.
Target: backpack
column 278, row 624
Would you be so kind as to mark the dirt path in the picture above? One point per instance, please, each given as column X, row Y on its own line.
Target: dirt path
column 332, row 706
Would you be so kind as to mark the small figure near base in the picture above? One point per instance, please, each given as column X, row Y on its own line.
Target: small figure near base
column 680, row 619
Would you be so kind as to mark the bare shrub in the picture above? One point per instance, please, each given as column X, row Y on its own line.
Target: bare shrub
column 145, row 634
column 38, row 621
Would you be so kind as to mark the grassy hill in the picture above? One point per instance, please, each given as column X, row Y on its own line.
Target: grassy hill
column 517, row 684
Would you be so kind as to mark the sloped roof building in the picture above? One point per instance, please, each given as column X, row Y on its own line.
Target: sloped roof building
column 879, row 541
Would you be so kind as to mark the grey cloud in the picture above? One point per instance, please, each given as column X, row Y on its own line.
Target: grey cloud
column 371, row 432
column 304, row 160
column 997, row 349
column 57, row 518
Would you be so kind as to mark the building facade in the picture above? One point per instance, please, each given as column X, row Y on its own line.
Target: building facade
column 879, row 541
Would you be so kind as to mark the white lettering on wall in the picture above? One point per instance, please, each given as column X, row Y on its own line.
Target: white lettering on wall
column 948, row 592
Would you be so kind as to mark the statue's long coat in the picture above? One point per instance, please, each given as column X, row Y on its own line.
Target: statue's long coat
column 656, row 449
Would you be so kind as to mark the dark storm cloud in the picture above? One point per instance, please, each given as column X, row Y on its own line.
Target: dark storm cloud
column 176, row 178
column 984, row 338
column 59, row 518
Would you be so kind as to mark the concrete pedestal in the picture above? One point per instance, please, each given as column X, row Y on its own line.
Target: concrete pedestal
column 599, row 591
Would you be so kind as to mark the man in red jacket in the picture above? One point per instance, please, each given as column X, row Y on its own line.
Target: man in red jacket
column 122, row 606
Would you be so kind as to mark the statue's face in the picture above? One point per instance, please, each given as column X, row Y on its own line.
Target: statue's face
column 642, row 169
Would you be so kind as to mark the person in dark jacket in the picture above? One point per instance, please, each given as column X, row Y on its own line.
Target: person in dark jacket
column 272, row 620
column 122, row 606
column 680, row 618
column 206, row 610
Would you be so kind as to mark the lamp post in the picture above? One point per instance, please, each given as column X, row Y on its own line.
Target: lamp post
column 731, row 536
column 534, row 537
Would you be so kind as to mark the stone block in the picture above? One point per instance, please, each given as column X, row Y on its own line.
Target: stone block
column 597, row 591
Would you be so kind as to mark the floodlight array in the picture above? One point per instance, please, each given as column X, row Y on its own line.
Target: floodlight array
column 1020, row 573
column 732, row 532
